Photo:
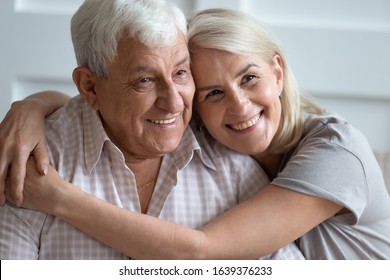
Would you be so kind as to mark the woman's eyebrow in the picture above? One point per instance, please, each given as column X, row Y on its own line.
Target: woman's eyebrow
column 246, row 68
column 241, row 72
column 207, row 88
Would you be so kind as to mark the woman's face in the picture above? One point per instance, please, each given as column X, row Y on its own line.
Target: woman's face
column 237, row 98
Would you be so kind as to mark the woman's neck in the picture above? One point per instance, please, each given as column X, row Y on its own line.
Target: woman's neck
column 270, row 163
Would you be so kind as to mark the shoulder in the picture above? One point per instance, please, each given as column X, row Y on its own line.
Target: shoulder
column 332, row 129
column 332, row 157
column 68, row 115
column 330, row 142
column 329, row 126
column 64, row 129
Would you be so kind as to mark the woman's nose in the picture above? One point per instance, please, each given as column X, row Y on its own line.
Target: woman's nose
column 238, row 103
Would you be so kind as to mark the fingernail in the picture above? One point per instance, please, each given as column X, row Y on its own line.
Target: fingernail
column 44, row 170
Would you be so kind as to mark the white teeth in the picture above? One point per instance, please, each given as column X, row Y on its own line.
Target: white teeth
column 163, row 121
column 247, row 124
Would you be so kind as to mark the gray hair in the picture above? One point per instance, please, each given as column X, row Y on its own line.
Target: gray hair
column 237, row 32
column 98, row 25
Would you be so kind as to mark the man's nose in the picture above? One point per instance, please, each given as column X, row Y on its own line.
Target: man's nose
column 169, row 98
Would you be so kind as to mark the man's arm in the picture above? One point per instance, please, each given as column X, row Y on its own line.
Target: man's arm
column 23, row 132
column 19, row 233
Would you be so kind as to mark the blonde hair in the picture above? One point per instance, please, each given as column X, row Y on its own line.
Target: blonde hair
column 237, row 32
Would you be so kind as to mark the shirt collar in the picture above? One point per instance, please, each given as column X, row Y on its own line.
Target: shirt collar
column 95, row 137
column 188, row 147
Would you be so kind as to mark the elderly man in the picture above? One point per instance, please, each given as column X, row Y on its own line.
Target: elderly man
column 126, row 138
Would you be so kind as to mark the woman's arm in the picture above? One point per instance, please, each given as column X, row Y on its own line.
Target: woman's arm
column 21, row 132
column 270, row 220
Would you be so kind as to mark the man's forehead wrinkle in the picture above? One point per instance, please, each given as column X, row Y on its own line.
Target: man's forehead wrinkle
column 155, row 62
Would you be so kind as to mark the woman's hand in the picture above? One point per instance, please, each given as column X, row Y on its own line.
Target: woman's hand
column 21, row 132
column 40, row 192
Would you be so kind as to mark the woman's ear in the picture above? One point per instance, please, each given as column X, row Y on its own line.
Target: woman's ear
column 85, row 81
column 198, row 120
column 279, row 70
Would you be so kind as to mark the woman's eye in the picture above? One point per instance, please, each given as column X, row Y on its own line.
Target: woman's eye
column 248, row 78
column 214, row 92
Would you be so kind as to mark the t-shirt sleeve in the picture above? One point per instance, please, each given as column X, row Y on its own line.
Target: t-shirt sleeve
column 323, row 166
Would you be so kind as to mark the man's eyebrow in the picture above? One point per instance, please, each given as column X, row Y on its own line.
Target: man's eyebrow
column 148, row 69
column 183, row 61
column 144, row 69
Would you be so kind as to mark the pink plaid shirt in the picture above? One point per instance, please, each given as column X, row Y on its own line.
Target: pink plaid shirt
column 198, row 181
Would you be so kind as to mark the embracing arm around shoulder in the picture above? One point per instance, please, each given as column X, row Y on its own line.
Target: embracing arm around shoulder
column 271, row 219
column 21, row 132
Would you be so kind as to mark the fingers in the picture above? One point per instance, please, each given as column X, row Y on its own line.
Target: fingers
column 3, row 177
column 17, row 175
column 14, row 172
column 42, row 158
column 21, row 131
column 8, row 192
column 5, row 162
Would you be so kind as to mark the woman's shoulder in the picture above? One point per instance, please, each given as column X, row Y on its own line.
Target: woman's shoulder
column 333, row 129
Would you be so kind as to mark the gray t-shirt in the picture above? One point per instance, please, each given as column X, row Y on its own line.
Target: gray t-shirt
column 335, row 161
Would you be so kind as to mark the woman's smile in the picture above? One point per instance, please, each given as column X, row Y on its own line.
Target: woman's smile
column 246, row 125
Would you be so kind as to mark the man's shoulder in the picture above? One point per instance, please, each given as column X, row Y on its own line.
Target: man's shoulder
column 66, row 114
column 64, row 128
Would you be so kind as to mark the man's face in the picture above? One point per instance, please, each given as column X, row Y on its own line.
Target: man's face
column 146, row 101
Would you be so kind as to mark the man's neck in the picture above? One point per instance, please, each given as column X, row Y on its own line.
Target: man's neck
column 146, row 173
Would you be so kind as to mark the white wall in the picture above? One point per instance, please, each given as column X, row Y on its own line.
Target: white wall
column 36, row 52
column 339, row 51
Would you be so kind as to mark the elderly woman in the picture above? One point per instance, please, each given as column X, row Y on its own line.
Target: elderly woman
column 326, row 190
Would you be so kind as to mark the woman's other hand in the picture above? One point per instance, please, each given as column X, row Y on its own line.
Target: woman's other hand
column 22, row 132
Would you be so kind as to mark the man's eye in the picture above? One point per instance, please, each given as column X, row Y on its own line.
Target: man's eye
column 145, row 80
column 181, row 73
column 144, row 84
column 181, row 76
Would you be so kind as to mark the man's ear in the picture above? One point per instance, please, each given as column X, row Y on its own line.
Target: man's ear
column 85, row 81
